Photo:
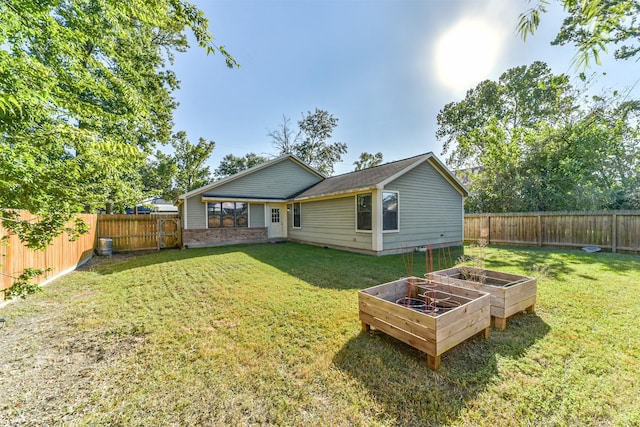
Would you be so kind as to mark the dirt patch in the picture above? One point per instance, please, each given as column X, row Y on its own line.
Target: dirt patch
column 118, row 257
column 49, row 370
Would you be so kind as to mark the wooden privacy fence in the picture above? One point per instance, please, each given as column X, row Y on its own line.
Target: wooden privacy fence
column 139, row 232
column 61, row 256
column 613, row 230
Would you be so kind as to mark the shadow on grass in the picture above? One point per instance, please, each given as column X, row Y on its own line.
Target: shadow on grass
column 396, row 375
column 318, row 266
column 123, row 261
column 345, row 270
column 336, row 269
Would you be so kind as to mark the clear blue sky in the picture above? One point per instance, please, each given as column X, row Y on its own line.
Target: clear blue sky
column 383, row 68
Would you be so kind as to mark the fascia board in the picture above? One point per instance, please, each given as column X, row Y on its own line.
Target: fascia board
column 438, row 166
column 334, row 194
column 449, row 176
column 239, row 199
column 397, row 175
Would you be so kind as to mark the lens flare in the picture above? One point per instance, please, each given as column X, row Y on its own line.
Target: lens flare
column 467, row 53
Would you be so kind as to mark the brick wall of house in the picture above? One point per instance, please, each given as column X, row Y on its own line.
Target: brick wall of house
column 201, row 238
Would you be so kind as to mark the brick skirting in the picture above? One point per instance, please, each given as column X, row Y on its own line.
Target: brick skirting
column 208, row 237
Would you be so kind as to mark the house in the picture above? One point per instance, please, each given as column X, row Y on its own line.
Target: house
column 154, row 205
column 380, row 210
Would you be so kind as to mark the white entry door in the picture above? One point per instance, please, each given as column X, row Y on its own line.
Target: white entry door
column 276, row 220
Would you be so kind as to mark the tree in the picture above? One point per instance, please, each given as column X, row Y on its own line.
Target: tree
column 159, row 174
column 588, row 164
column 521, row 97
column 539, row 143
column 284, row 138
column 231, row 164
column 169, row 175
column 190, row 160
column 591, row 26
column 310, row 144
column 368, row 160
column 85, row 94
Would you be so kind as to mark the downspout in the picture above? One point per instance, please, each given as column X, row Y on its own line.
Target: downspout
column 184, row 213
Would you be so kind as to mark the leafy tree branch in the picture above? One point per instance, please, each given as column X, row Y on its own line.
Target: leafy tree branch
column 310, row 143
column 86, row 94
column 591, row 26
column 537, row 142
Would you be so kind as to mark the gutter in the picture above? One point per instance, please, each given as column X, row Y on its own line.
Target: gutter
column 337, row 193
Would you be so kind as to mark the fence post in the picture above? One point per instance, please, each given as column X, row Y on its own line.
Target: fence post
column 489, row 227
column 614, row 232
column 539, row 230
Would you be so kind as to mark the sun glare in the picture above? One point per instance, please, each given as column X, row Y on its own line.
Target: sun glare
column 466, row 53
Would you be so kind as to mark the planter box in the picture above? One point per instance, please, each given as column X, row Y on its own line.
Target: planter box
column 510, row 293
column 461, row 313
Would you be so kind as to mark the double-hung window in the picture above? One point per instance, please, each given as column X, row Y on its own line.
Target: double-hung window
column 297, row 215
column 389, row 211
column 364, row 204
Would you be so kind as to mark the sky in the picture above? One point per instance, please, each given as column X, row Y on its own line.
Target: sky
column 384, row 68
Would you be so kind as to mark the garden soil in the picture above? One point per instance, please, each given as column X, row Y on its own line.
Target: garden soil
column 49, row 371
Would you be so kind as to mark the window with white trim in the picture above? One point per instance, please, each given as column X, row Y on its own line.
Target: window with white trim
column 227, row 214
column 297, row 215
column 389, row 211
column 364, row 217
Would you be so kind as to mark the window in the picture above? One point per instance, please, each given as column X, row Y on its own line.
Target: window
column 389, row 211
column 214, row 212
column 296, row 215
column 227, row 214
column 275, row 215
column 363, row 212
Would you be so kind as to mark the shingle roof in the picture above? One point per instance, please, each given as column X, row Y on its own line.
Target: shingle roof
column 363, row 179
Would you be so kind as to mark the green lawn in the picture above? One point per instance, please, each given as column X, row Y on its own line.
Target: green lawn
column 269, row 334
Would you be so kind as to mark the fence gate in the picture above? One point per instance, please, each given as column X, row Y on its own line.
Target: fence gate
column 168, row 233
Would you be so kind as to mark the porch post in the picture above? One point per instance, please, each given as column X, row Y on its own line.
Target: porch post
column 377, row 242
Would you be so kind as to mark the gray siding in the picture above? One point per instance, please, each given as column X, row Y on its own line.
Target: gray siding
column 430, row 210
column 281, row 180
column 196, row 216
column 329, row 222
column 256, row 215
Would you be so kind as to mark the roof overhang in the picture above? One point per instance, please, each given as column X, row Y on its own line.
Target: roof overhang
column 438, row 166
column 398, row 174
column 240, row 199
column 449, row 176
column 335, row 194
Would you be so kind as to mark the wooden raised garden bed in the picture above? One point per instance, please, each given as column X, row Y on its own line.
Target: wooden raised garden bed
column 510, row 293
column 428, row 315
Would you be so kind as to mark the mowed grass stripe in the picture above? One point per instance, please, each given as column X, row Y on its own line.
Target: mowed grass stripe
column 269, row 335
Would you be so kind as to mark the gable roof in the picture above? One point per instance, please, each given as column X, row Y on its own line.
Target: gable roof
column 251, row 170
column 362, row 180
column 377, row 177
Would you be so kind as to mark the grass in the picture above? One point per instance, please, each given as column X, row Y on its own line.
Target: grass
column 269, row 334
